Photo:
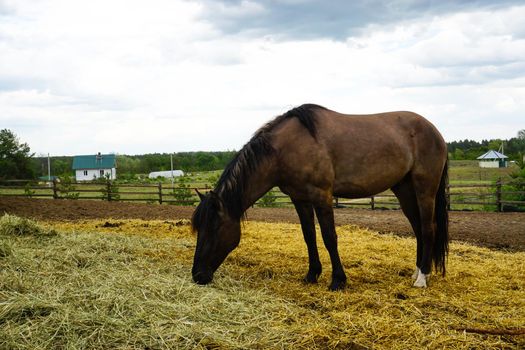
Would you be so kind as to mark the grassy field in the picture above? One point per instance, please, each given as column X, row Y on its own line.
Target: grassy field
column 108, row 284
column 468, row 171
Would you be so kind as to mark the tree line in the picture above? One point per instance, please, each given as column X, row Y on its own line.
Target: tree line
column 130, row 166
column 17, row 161
column 513, row 148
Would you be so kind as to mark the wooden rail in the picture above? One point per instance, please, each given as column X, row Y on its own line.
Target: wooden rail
column 499, row 196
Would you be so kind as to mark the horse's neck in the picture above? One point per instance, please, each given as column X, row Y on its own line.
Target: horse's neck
column 260, row 182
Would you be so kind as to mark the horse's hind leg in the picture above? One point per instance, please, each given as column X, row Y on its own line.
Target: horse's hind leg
column 426, row 190
column 306, row 216
column 325, row 215
column 406, row 195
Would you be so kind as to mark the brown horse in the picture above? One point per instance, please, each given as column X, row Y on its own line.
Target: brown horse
column 313, row 154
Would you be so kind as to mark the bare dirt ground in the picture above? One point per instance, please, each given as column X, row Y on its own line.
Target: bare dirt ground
column 494, row 230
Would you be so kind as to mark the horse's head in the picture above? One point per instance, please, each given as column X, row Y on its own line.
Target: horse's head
column 217, row 235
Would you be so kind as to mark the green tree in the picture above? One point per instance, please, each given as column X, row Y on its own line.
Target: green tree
column 206, row 161
column 61, row 167
column 459, row 154
column 15, row 157
column 495, row 144
column 128, row 165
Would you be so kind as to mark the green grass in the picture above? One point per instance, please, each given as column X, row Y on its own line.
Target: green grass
column 469, row 172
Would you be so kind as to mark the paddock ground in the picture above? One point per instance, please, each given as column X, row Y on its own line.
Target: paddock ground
column 502, row 231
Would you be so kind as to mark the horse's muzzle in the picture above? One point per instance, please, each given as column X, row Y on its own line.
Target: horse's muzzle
column 202, row 277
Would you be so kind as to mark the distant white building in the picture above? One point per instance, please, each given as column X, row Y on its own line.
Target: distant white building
column 168, row 174
column 493, row 159
column 91, row 167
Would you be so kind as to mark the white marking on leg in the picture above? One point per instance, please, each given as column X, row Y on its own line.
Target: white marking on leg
column 421, row 280
column 415, row 274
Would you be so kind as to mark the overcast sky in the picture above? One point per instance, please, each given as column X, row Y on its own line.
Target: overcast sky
column 136, row 76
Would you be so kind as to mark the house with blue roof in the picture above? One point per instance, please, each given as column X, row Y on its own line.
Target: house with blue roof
column 92, row 167
column 493, row 159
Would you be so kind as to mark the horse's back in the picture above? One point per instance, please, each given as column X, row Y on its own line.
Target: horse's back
column 359, row 155
column 377, row 136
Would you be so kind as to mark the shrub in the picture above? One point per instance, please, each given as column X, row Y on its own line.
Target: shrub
column 182, row 192
column 66, row 187
column 517, row 185
column 268, row 200
column 28, row 191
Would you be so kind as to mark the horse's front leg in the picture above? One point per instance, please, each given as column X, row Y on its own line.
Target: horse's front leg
column 306, row 216
column 325, row 215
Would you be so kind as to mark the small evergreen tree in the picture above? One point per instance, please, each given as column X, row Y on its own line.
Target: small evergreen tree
column 268, row 200
column 66, row 187
column 182, row 191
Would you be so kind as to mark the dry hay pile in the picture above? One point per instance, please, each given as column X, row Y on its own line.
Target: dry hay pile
column 127, row 284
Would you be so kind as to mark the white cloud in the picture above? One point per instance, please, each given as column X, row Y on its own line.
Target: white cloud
column 138, row 77
column 244, row 8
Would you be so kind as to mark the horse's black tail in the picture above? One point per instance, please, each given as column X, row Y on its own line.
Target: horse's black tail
column 440, row 250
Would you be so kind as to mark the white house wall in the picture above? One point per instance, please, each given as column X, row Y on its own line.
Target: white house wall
column 91, row 174
column 485, row 164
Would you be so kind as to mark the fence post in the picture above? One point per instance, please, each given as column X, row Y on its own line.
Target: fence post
column 498, row 195
column 337, row 202
column 372, row 203
column 55, row 189
column 160, row 192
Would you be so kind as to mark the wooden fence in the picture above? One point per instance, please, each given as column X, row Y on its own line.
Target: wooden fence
column 499, row 196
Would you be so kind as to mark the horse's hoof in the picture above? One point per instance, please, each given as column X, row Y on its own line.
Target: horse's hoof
column 420, row 284
column 421, row 281
column 415, row 274
column 311, row 277
column 337, row 285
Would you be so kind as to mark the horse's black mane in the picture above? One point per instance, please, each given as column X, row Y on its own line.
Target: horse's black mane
column 233, row 181
column 304, row 113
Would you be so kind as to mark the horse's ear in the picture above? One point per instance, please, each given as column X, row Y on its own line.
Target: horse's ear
column 201, row 196
column 214, row 195
column 218, row 202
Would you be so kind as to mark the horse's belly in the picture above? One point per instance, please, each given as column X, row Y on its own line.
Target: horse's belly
column 357, row 191
column 358, row 185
